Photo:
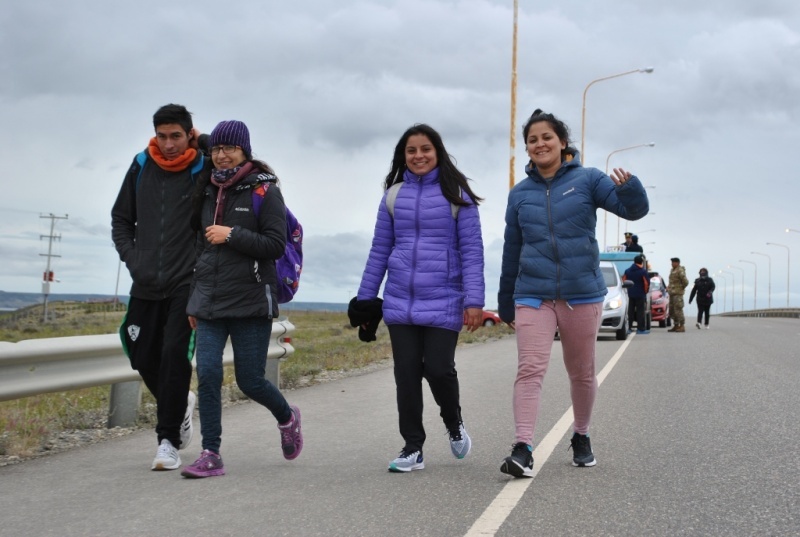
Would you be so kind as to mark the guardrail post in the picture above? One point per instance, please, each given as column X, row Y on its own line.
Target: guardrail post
column 124, row 403
column 273, row 371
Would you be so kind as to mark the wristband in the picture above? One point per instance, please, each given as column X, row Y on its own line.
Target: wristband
column 228, row 238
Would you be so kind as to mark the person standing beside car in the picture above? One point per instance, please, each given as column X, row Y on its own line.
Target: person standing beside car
column 704, row 289
column 427, row 243
column 677, row 286
column 637, row 295
column 550, row 277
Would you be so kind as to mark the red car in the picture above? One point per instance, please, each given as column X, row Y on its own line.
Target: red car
column 659, row 301
column 490, row 318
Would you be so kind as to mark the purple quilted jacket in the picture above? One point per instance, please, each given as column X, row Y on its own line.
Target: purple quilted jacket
column 434, row 262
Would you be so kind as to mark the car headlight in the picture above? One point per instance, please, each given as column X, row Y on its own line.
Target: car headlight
column 613, row 304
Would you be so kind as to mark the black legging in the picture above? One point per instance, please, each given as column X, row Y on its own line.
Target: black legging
column 703, row 309
column 424, row 352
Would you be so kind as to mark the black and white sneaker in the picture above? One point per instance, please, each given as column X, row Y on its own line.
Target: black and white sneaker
column 407, row 461
column 520, row 463
column 187, row 429
column 582, row 450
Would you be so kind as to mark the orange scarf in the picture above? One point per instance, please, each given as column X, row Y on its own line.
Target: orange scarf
column 176, row 165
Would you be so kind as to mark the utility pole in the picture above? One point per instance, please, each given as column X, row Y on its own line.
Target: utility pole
column 511, row 163
column 48, row 274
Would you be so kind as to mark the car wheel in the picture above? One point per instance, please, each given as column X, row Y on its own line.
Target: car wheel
column 649, row 321
column 488, row 322
column 622, row 333
column 662, row 324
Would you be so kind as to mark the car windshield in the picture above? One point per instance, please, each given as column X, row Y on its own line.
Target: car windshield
column 610, row 276
column 656, row 284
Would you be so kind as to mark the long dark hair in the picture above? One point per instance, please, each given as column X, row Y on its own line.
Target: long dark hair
column 452, row 181
column 203, row 180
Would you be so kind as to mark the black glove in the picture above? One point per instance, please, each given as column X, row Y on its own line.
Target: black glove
column 366, row 315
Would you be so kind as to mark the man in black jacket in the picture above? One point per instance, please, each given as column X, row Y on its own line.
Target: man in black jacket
column 632, row 243
column 150, row 226
column 637, row 295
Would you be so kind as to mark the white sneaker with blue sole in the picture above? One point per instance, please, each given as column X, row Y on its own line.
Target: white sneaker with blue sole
column 407, row 462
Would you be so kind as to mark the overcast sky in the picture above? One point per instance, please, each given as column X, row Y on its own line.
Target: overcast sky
column 327, row 88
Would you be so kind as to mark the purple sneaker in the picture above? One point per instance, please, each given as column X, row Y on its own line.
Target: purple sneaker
column 291, row 435
column 209, row 464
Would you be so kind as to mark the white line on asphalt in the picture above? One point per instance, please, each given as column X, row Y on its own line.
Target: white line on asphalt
column 508, row 498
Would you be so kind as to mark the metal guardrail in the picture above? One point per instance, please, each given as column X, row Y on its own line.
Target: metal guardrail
column 37, row 366
column 775, row 312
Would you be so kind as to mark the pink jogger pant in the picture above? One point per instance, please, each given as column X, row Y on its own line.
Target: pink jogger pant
column 535, row 329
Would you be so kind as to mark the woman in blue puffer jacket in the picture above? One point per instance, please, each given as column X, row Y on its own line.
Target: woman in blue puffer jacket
column 429, row 241
column 551, row 278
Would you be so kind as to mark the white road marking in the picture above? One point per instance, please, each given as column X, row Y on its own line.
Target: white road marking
column 508, row 498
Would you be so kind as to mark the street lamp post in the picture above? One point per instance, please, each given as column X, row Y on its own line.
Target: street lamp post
column 605, row 216
column 788, row 266
column 589, row 85
column 769, row 278
column 626, row 222
column 739, row 268
column 733, row 288
column 725, row 292
column 511, row 163
column 755, row 280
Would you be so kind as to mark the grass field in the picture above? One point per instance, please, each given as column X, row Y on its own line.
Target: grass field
column 324, row 342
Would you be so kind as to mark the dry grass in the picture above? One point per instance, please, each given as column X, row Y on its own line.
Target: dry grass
column 324, row 342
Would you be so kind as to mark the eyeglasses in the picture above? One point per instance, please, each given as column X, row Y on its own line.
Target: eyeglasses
column 227, row 149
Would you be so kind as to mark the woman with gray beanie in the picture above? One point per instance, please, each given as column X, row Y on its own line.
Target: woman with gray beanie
column 234, row 288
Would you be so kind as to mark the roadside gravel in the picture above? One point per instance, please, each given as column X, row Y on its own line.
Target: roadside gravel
column 77, row 438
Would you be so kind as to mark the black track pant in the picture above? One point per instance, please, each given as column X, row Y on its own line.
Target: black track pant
column 636, row 306
column 703, row 310
column 159, row 342
column 424, row 352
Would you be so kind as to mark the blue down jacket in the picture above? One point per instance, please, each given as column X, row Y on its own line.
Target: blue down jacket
column 434, row 262
column 550, row 251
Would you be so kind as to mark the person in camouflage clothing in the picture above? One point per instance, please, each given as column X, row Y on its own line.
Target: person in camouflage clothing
column 677, row 286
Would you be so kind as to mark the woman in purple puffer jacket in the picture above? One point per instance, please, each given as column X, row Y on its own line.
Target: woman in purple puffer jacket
column 428, row 240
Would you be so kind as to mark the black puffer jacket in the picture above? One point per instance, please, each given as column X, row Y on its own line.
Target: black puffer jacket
column 704, row 289
column 150, row 227
column 237, row 279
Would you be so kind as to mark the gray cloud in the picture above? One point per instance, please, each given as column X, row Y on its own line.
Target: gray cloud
column 328, row 87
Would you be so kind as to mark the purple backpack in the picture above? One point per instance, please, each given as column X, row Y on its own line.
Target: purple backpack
column 290, row 264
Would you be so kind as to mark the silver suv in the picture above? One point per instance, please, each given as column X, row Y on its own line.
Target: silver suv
column 615, row 304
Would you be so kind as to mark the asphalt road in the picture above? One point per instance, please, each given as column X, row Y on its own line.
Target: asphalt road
column 695, row 434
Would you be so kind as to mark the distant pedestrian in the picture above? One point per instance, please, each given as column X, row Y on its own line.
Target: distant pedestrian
column 234, row 290
column 550, row 277
column 677, row 286
column 150, row 226
column 637, row 295
column 428, row 245
column 633, row 245
column 704, row 289
column 628, row 241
